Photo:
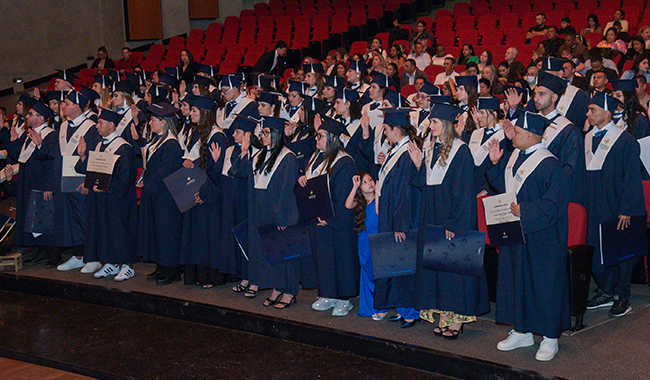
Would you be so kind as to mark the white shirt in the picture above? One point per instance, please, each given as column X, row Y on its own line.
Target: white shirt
column 440, row 61
column 421, row 61
column 442, row 77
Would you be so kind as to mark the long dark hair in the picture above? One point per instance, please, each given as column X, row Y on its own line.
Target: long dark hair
column 472, row 100
column 277, row 143
column 411, row 132
column 334, row 146
column 360, row 208
column 203, row 128
column 632, row 110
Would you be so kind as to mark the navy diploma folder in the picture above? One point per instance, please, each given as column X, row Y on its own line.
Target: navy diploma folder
column 314, row 200
column 617, row 246
column 285, row 245
column 393, row 259
column 184, row 186
column 460, row 255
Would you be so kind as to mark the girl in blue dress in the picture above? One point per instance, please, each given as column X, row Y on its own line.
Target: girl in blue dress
column 362, row 201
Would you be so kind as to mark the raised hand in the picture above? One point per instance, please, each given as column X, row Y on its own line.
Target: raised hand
column 134, row 132
column 318, row 121
column 416, row 153
column 215, row 151
column 513, row 98
column 495, row 151
column 356, row 181
column 35, row 137
column 508, row 129
column 474, row 114
column 81, row 148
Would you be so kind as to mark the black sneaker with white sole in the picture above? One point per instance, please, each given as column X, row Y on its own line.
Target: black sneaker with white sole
column 620, row 308
column 600, row 300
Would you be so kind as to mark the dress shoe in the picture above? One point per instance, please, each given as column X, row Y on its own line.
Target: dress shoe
column 107, row 270
column 125, row 273
column 72, row 263
column 396, row 318
column 406, row 325
column 516, row 340
column 155, row 275
column 168, row 280
column 342, row 308
column 322, row 304
column 379, row 317
column 547, row 349
column 91, row 267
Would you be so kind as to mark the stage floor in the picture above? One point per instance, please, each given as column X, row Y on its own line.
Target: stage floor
column 606, row 348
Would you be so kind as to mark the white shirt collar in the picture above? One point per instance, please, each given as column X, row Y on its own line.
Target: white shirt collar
column 77, row 121
column 606, row 127
column 533, row 148
column 110, row 137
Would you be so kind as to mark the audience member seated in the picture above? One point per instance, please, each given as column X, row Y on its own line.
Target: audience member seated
column 485, row 59
column 421, row 34
column 375, row 45
column 577, row 49
column 640, row 68
column 126, row 62
column 467, row 55
column 421, row 57
column 612, row 41
column 569, row 68
column 623, row 36
column 645, row 34
column 515, row 66
column 102, row 62
column 599, row 82
column 505, row 74
column 410, row 73
column 565, row 27
column 640, row 91
column 441, row 53
column 593, row 26
column 484, row 88
column 600, row 62
column 448, row 73
column 396, row 56
column 398, row 33
column 553, row 43
column 540, row 29
column 619, row 15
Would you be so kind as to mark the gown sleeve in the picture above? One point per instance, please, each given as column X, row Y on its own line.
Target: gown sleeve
column 544, row 212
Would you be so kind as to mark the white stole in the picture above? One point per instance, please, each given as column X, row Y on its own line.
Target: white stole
column 566, row 99
column 388, row 166
column 481, row 151
column 377, row 144
column 224, row 122
column 126, row 119
column 66, row 147
column 262, row 180
column 437, row 174
column 320, row 169
column 596, row 161
column 150, row 148
column 27, row 149
column 514, row 182
column 113, row 146
column 553, row 130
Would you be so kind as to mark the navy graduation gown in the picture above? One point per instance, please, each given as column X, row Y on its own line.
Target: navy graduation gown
column 112, row 216
column 451, row 205
column 357, row 148
column 235, row 210
column 303, row 147
column 35, row 174
column 480, row 179
column 395, row 216
column 532, row 283
column 201, row 238
column 334, row 246
column 158, row 239
column 274, row 205
column 569, row 148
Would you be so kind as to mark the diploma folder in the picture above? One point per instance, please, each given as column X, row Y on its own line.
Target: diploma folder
column 39, row 217
column 285, row 245
column 314, row 200
column 100, row 169
column 503, row 227
column 70, row 179
column 460, row 255
column 184, row 185
column 393, row 259
column 617, row 246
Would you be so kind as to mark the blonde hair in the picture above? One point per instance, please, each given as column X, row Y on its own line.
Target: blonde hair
column 448, row 135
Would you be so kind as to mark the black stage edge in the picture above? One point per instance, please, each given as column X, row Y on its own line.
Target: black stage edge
column 46, row 79
column 440, row 362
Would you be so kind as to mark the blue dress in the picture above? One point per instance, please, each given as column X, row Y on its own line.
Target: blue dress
column 367, row 283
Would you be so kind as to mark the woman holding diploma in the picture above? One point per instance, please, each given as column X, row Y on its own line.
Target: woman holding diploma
column 532, row 283
column 394, row 197
column 333, row 241
column 201, row 238
column 275, row 172
column 112, row 215
column 163, row 156
column 445, row 171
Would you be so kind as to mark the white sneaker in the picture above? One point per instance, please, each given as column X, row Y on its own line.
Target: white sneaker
column 72, row 263
column 91, row 267
column 125, row 273
column 547, row 349
column 107, row 270
column 323, row 304
column 516, row 340
column 342, row 308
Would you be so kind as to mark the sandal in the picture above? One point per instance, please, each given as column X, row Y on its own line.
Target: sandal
column 269, row 302
column 239, row 288
column 283, row 305
column 454, row 333
column 251, row 293
column 439, row 331
column 208, row 286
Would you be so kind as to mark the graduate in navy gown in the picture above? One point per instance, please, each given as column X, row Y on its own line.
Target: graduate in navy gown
column 112, row 221
column 333, row 241
column 271, row 196
column 36, row 169
column 445, row 174
column 467, row 95
column 394, row 198
column 159, row 240
column 615, row 194
column 299, row 136
column 631, row 113
column 362, row 199
column 355, row 140
column 201, row 237
column 532, row 283
column 235, row 178
column 561, row 138
column 486, row 117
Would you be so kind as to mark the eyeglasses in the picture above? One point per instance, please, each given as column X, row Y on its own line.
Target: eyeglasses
column 320, row 136
column 266, row 133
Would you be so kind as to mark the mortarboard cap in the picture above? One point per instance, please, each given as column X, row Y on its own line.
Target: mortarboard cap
column 231, row 80
column 430, row 89
column 174, row 71
column 396, row 99
column 552, row 64
column 243, row 123
column 77, row 98
column 110, row 115
column 313, row 68
column 251, row 109
column 552, row 82
column 158, row 91
column 163, row 109
column 445, row 112
column 272, row 122
column 358, row 66
column 203, row 81
column 467, row 80
column 104, row 80
column 296, row 86
column 489, row 103
column 169, row 80
column 42, row 109
column 333, row 81
column 133, row 78
column 269, row 97
column 209, row 70
column 628, row 85
column 26, row 99
column 440, row 99
column 348, row 95
column 533, row 123
column 604, row 101
column 396, row 117
column 313, row 103
column 65, row 75
column 114, row 75
column 262, row 80
column 202, row 102
column 89, row 93
column 332, row 126
column 383, row 80
column 124, row 86
column 59, row 96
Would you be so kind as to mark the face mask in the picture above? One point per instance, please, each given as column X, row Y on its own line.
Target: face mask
column 531, row 80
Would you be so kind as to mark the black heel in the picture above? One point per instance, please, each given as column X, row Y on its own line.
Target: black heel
column 454, row 333
column 441, row 330
column 283, row 305
column 269, row 302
